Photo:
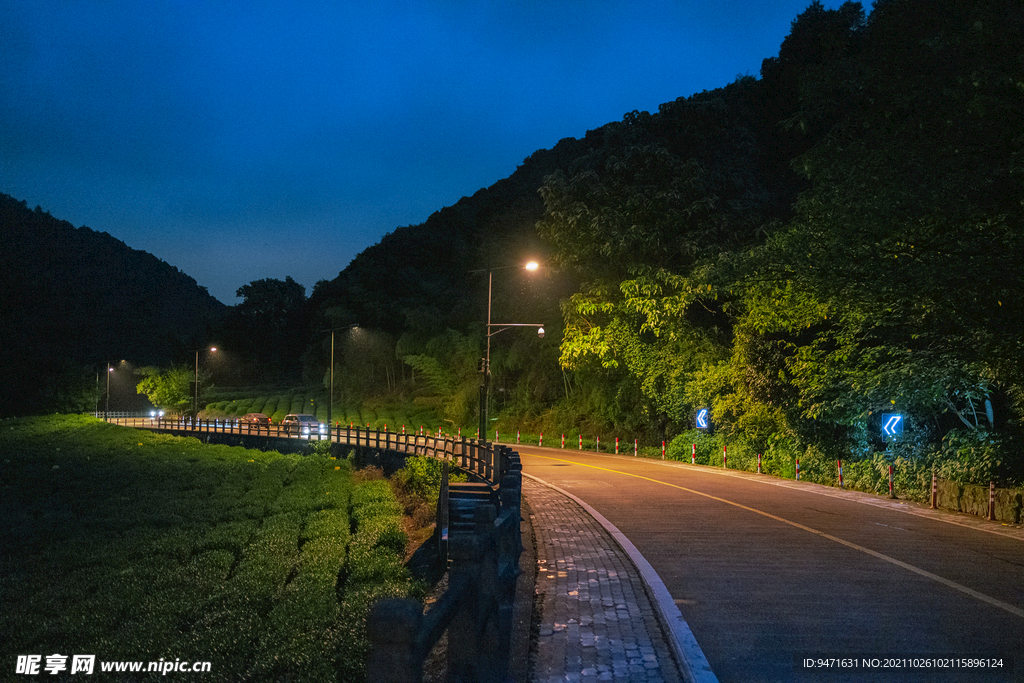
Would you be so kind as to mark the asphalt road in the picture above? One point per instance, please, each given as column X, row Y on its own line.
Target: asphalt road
column 770, row 573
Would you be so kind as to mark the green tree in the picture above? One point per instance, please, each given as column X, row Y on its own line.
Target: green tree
column 270, row 328
column 448, row 364
column 368, row 361
column 635, row 218
column 899, row 279
column 169, row 389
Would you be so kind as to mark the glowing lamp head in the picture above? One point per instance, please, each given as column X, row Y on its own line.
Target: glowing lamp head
column 540, row 332
column 532, row 265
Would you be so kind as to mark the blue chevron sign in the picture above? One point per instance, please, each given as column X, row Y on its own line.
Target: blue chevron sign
column 892, row 424
column 702, row 418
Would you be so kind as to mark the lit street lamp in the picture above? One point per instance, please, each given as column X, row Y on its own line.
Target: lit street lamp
column 106, row 411
column 486, row 365
column 195, row 403
column 330, row 404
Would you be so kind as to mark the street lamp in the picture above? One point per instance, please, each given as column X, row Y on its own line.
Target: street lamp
column 486, row 369
column 106, row 411
column 195, row 402
column 330, row 404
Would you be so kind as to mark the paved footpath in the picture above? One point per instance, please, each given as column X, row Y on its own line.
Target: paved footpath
column 597, row 621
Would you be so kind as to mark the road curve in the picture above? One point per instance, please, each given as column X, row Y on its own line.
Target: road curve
column 769, row 573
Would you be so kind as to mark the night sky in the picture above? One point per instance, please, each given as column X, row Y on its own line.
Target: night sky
column 248, row 140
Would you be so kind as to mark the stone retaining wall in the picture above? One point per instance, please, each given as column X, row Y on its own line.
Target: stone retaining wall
column 973, row 500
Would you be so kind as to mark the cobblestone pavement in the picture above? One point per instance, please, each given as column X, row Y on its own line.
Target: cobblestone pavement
column 597, row 622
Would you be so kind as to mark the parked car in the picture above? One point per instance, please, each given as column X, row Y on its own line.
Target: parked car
column 303, row 425
column 254, row 419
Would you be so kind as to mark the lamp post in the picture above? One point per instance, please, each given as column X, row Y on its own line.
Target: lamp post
column 486, row 365
column 195, row 401
column 106, row 411
column 330, row 403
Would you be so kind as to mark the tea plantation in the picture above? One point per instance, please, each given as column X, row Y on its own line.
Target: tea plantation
column 135, row 546
column 276, row 405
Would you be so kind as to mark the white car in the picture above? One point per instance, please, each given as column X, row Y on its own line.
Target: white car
column 303, row 425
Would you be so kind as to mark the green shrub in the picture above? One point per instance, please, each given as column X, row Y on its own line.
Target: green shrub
column 180, row 549
column 352, row 646
column 421, row 476
column 271, row 406
column 374, row 570
column 969, row 457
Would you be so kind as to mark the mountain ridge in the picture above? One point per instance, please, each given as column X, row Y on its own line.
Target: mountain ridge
column 77, row 297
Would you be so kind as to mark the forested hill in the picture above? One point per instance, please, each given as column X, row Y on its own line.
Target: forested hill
column 800, row 253
column 419, row 276
column 74, row 299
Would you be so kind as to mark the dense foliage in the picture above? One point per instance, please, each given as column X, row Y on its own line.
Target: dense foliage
column 890, row 282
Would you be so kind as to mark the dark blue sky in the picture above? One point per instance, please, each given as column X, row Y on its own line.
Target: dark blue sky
column 247, row 140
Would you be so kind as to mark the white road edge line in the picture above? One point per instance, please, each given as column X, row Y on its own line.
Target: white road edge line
column 691, row 658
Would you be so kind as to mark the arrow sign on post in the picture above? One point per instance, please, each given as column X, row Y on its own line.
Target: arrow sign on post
column 702, row 418
column 892, row 424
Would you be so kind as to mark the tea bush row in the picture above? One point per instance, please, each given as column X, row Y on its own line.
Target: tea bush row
column 137, row 546
column 277, row 406
column 374, row 570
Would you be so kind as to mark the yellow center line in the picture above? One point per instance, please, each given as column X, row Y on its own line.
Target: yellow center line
column 868, row 551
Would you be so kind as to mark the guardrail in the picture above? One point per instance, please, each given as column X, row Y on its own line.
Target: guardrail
column 478, row 522
column 483, row 459
column 118, row 414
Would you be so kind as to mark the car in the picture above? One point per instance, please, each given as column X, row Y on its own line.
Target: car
column 254, row 419
column 303, row 425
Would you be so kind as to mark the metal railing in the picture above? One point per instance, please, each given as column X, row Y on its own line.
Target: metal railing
column 112, row 415
column 479, row 458
column 478, row 522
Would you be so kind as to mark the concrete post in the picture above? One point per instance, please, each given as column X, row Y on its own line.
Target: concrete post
column 474, row 656
column 392, row 628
